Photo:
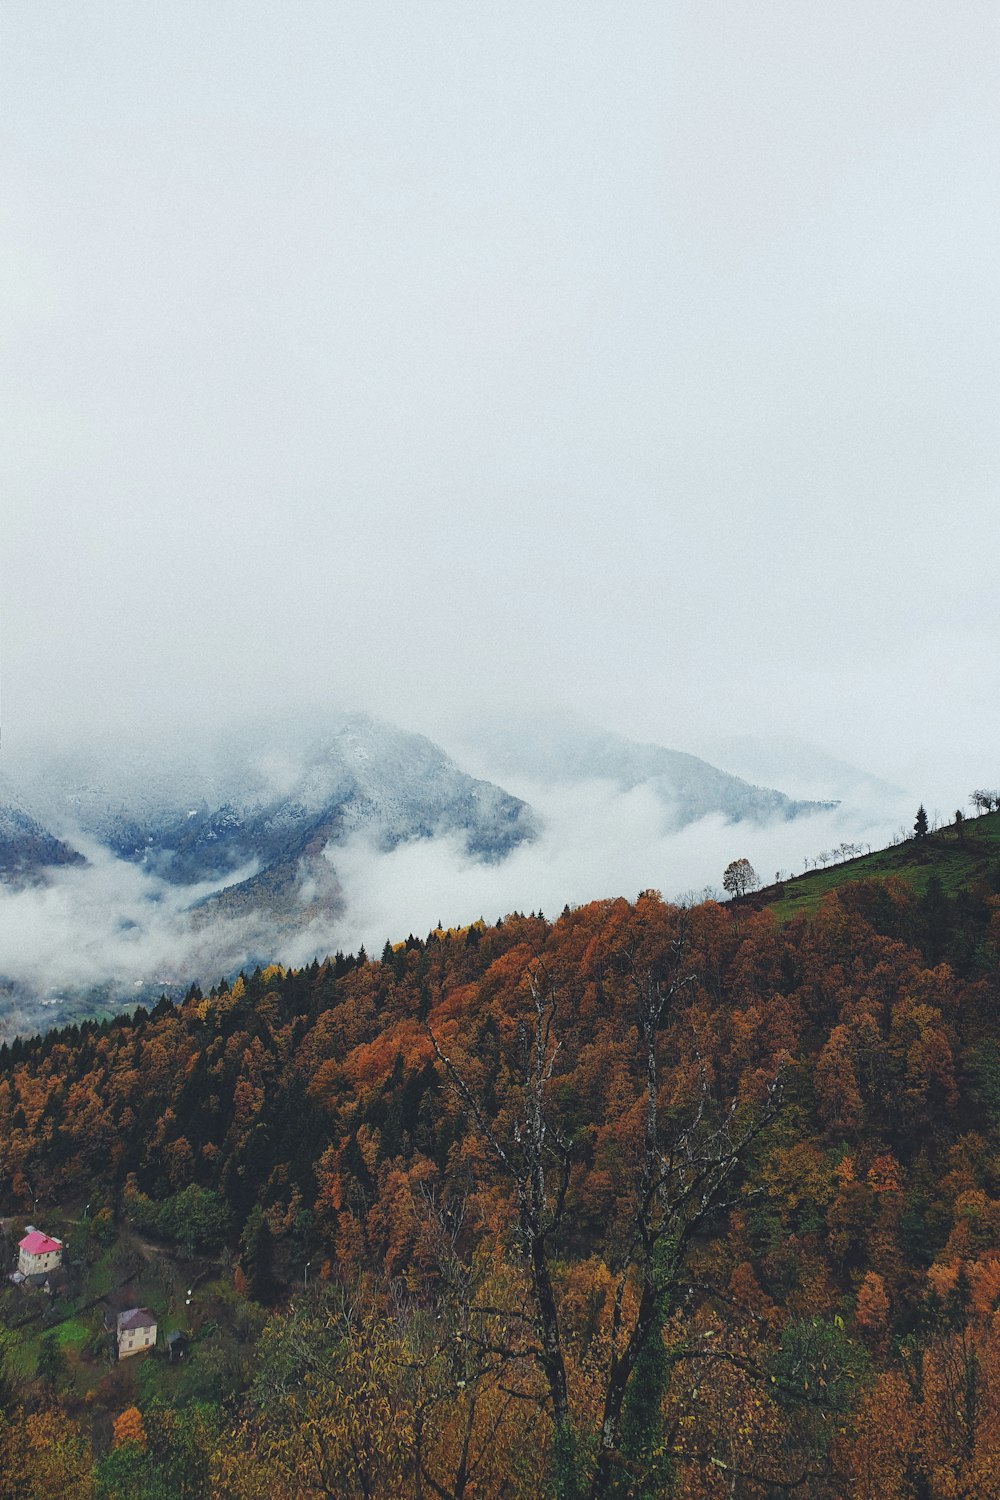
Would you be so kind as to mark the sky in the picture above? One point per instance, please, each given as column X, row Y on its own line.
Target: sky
column 634, row 360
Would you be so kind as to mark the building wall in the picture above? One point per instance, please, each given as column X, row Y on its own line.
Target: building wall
column 135, row 1340
column 32, row 1265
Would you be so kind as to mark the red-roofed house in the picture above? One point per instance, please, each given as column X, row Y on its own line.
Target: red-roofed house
column 37, row 1253
column 136, row 1331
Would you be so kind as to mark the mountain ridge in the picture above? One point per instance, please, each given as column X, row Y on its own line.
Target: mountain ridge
column 688, row 786
column 215, row 853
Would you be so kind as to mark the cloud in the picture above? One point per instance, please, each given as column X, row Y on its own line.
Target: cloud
column 597, row 841
column 638, row 358
column 109, row 923
column 113, row 927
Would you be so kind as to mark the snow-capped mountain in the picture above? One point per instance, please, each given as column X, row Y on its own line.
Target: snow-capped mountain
column 154, row 866
column 555, row 753
column 27, row 849
column 210, row 809
column 129, row 869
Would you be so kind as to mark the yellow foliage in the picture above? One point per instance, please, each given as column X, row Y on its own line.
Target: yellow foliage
column 42, row 1454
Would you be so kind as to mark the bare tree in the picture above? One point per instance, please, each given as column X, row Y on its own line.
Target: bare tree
column 471, row 1353
column 684, row 1175
column 535, row 1153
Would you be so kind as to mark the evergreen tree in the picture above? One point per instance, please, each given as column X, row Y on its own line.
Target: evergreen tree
column 8, row 1382
column 936, row 919
column 51, row 1365
column 258, row 1257
column 920, row 825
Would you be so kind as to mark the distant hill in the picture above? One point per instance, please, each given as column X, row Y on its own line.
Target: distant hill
column 802, row 769
column 689, row 788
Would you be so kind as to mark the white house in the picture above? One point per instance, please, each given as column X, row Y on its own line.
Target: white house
column 38, row 1253
column 136, row 1331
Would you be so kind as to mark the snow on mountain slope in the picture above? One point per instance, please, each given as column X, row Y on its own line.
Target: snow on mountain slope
column 207, row 810
column 27, row 849
column 687, row 787
column 151, row 866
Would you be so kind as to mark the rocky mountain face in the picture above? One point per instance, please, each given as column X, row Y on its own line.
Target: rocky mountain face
column 211, row 856
column 207, row 813
column 214, row 811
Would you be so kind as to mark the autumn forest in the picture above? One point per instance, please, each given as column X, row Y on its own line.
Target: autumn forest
column 646, row 1201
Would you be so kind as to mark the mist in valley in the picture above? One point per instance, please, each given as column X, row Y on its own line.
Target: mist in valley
column 623, row 367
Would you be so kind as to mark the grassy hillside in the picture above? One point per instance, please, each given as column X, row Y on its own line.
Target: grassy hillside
column 960, row 863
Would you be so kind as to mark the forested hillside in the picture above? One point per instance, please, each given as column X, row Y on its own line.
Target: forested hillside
column 644, row 1202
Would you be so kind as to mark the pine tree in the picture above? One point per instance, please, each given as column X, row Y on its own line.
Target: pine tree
column 258, row 1257
column 51, row 1363
column 920, row 826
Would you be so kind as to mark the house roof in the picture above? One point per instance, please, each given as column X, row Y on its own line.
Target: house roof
column 37, row 1243
column 136, row 1317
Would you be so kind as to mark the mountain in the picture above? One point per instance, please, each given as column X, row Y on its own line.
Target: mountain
column 208, row 810
column 204, row 857
column 266, row 840
column 689, row 788
column 27, row 849
column 804, row 769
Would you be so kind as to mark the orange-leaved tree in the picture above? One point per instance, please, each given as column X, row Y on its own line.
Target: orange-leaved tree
column 677, row 1147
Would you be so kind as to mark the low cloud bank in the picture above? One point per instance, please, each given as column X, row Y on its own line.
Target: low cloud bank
column 108, row 925
column 597, row 841
column 112, row 927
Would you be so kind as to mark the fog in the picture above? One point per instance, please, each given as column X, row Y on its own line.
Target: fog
column 113, row 931
column 111, row 922
column 635, row 357
column 598, row 842
column 630, row 360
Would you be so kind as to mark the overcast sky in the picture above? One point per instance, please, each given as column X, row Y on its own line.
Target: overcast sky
column 639, row 359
